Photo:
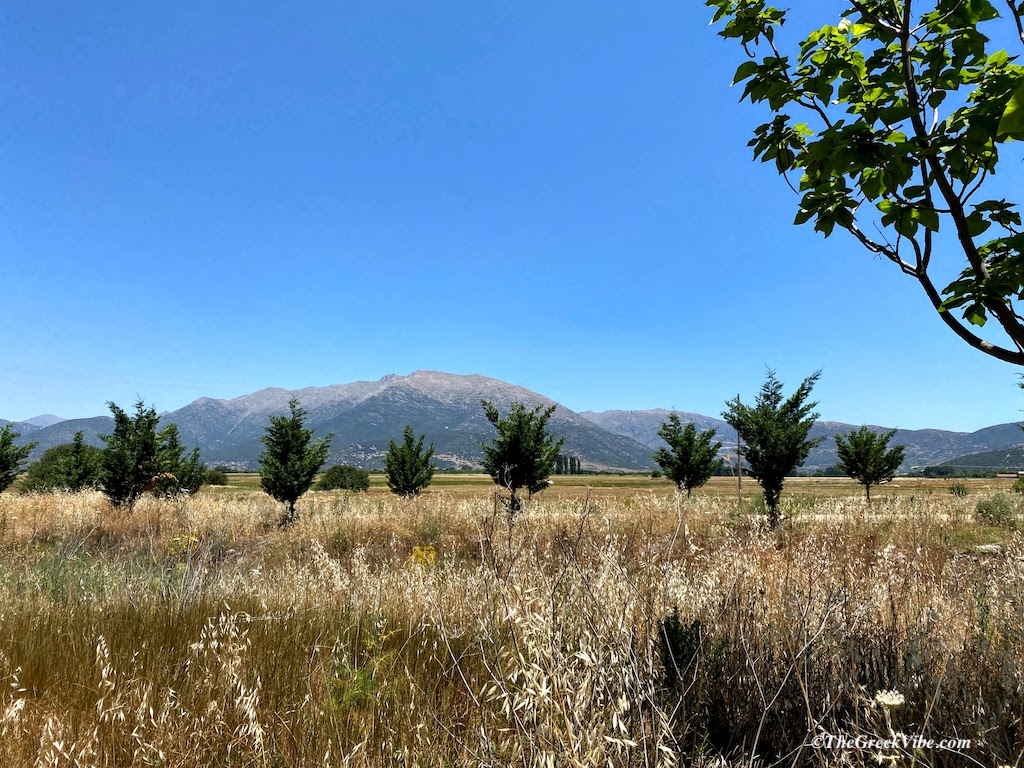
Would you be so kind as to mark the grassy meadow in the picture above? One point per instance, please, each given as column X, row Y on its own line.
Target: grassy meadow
column 611, row 623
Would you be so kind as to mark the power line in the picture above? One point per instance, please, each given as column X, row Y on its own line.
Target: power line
column 107, row 377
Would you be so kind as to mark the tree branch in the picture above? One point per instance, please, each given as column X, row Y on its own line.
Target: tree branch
column 1016, row 18
column 1016, row 357
column 868, row 14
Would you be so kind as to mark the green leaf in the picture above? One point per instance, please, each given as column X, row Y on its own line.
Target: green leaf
column 1012, row 122
column 976, row 224
column 975, row 315
column 803, row 216
column 929, row 218
column 745, row 70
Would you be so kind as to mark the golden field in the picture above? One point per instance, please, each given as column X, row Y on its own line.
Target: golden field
column 606, row 625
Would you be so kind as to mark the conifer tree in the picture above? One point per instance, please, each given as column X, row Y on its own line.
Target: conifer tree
column 690, row 459
column 775, row 433
column 524, row 452
column 407, row 466
column 130, row 457
column 180, row 473
column 12, row 457
column 291, row 458
column 866, row 457
column 84, row 465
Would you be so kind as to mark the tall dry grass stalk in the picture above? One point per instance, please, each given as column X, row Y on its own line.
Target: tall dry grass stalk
column 645, row 631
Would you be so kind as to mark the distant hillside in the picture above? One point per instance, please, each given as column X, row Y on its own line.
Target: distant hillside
column 44, row 420
column 924, row 447
column 1011, row 459
column 31, row 425
column 64, row 432
column 364, row 416
column 643, row 426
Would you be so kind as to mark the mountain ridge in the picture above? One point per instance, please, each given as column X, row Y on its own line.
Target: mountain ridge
column 366, row 415
column 925, row 447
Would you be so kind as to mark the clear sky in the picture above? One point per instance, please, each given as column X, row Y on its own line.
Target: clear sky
column 205, row 199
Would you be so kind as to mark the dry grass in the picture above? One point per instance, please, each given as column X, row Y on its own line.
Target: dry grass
column 617, row 630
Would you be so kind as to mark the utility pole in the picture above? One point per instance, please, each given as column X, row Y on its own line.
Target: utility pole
column 739, row 467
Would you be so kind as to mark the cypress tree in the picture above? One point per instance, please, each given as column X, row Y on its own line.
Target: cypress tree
column 775, row 433
column 290, row 458
column 12, row 457
column 524, row 453
column 690, row 459
column 180, row 472
column 865, row 456
column 407, row 466
column 130, row 457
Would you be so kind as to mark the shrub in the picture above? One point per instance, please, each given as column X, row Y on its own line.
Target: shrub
column 1018, row 485
column 343, row 477
column 959, row 490
column 995, row 510
column 216, row 477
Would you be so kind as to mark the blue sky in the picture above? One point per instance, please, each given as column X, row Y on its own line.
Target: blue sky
column 212, row 198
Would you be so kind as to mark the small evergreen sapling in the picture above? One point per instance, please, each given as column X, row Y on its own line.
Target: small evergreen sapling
column 290, row 458
column 524, row 452
column 130, row 458
column 866, row 457
column 407, row 466
column 691, row 458
column 775, row 431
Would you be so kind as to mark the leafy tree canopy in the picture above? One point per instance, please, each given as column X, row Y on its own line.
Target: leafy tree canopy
column 523, row 454
column 407, row 467
column 342, row 477
column 216, row 477
column 775, row 431
column 74, row 467
column 866, row 457
column 691, row 458
column 890, row 123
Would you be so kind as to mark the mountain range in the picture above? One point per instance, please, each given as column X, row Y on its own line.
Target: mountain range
column 365, row 415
